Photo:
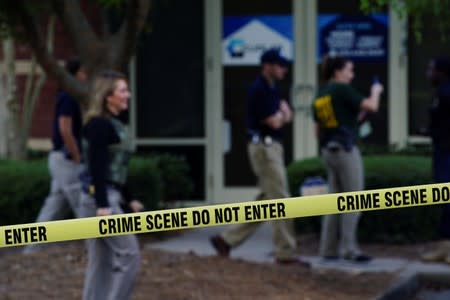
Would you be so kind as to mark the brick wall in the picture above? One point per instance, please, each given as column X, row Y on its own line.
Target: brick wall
column 63, row 49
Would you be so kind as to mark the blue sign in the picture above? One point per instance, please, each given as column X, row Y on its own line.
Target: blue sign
column 358, row 37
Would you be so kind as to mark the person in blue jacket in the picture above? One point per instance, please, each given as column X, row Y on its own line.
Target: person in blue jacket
column 438, row 73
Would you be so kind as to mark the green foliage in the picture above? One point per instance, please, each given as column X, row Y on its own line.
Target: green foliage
column 111, row 4
column 23, row 187
column 419, row 12
column 174, row 170
column 381, row 171
column 153, row 179
column 414, row 150
column 145, row 182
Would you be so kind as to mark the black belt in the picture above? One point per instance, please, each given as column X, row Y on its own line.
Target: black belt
column 333, row 146
column 333, row 149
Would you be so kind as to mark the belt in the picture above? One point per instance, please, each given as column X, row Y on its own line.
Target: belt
column 64, row 152
column 90, row 189
column 333, row 149
column 263, row 139
column 333, row 146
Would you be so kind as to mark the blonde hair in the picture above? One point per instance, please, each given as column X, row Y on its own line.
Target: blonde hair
column 103, row 86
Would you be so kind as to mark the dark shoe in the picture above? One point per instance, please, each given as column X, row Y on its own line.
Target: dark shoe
column 222, row 248
column 330, row 257
column 293, row 261
column 362, row 258
column 359, row 258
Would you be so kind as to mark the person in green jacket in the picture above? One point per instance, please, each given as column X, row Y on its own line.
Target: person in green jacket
column 337, row 109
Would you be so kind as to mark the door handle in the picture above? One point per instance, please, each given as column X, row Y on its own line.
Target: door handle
column 226, row 137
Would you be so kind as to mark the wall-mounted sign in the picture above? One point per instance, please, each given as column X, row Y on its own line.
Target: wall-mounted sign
column 245, row 38
column 359, row 37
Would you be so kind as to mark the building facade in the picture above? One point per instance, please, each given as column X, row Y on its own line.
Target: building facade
column 191, row 73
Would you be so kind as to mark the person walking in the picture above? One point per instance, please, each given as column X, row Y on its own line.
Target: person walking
column 113, row 262
column 438, row 74
column 267, row 113
column 337, row 109
column 65, row 157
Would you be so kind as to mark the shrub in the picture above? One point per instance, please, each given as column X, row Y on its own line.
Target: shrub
column 176, row 184
column 382, row 171
column 24, row 185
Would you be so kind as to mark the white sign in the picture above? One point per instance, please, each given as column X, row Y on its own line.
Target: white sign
column 246, row 45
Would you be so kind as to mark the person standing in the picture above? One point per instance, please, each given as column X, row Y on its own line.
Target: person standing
column 438, row 73
column 65, row 157
column 267, row 113
column 113, row 262
column 337, row 108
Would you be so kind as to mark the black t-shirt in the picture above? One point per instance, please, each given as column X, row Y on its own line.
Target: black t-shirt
column 66, row 106
column 262, row 102
column 440, row 117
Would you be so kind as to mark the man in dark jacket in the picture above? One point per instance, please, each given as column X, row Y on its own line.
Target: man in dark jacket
column 438, row 73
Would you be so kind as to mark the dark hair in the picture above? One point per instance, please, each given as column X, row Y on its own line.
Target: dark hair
column 442, row 64
column 73, row 65
column 331, row 64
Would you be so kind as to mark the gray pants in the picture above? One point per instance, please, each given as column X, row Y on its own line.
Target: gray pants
column 113, row 262
column 64, row 194
column 268, row 165
column 345, row 174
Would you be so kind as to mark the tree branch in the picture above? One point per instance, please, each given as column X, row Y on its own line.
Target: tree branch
column 106, row 34
column 127, row 37
column 32, row 96
column 50, row 65
column 86, row 41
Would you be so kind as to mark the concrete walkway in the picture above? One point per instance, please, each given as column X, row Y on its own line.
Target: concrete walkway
column 258, row 248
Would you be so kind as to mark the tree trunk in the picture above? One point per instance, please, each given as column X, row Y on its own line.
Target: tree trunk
column 16, row 120
column 34, row 86
column 3, row 118
column 14, row 138
column 112, row 51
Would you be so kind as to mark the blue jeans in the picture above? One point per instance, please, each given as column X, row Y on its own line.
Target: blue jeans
column 441, row 174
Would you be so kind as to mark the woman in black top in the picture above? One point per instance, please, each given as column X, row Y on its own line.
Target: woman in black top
column 112, row 262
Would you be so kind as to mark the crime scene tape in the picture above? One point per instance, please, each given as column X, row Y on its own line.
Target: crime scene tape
column 221, row 214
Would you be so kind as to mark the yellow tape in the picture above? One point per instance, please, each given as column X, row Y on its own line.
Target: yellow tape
column 212, row 215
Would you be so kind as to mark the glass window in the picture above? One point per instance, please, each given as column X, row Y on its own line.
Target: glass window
column 170, row 72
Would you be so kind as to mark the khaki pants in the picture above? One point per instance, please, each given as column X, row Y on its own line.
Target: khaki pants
column 113, row 262
column 345, row 174
column 64, row 194
column 268, row 165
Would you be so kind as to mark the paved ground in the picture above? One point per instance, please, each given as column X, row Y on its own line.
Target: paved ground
column 433, row 295
column 258, row 248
